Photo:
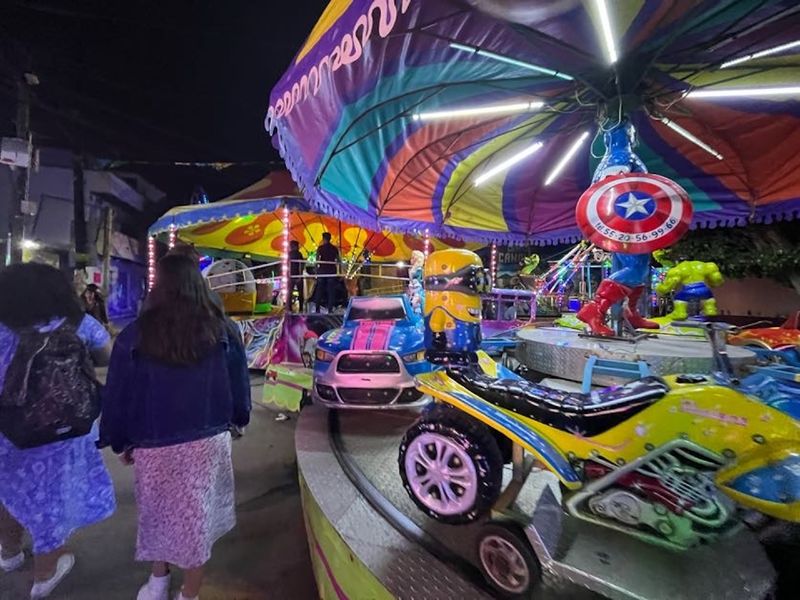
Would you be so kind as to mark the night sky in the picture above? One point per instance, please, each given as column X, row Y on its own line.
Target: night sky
column 172, row 80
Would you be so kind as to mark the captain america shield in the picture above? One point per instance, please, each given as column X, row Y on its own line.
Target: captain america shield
column 634, row 213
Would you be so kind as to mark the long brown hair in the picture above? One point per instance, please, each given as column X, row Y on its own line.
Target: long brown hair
column 32, row 294
column 180, row 322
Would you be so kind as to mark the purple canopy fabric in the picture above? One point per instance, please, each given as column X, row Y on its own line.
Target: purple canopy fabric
column 351, row 116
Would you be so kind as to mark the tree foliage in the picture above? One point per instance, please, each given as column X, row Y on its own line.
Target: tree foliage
column 771, row 251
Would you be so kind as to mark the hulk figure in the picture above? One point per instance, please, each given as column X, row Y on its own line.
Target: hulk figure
column 691, row 280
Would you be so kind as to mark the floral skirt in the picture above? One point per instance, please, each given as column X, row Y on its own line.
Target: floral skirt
column 185, row 497
column 55, row 489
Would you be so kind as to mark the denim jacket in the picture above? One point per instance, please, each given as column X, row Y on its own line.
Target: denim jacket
column 150, row 404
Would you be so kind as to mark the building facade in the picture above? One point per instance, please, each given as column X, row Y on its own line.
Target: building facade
column 113, row 201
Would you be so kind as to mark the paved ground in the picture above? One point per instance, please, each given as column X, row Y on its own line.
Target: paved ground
column 264, row 558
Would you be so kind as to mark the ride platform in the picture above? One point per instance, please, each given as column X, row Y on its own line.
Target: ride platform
column 562, row 353
column 369, row 540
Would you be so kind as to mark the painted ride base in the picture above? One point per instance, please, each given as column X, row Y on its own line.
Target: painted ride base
column 369, row 540
column 571, row 321
column 286, row 385
column 562, row 353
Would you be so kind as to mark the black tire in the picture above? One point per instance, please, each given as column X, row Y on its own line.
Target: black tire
column 505, row 445
column 497, row 574
column 477, row 441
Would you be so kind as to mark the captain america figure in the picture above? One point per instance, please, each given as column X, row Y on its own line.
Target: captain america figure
column 630, row 271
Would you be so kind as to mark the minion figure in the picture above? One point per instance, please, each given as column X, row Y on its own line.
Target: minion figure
column 454, row 280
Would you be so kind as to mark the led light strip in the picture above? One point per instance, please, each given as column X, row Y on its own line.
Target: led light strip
column 491, row 109
column 762, row 53
column 566, row 158
column 285, row 260
column 427, row 243
column 493, row 267
column 508, row 163
column 690, row 136
column 151, row 262
column 605, row 28
column 792, row 90
column 510, row 61
column 173, row 235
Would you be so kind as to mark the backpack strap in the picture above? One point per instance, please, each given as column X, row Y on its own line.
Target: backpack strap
column 30, row 343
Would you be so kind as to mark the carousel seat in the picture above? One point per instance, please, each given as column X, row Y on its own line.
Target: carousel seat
column 585, row 414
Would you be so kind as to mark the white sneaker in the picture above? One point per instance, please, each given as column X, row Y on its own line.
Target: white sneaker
column 42, row 589
column 156, row 588
column 13, row 563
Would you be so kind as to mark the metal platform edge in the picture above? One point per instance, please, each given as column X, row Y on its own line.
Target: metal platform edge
column 393, row 552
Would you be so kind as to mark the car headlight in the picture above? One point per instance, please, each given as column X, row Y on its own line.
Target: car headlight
column 414, row 356
column 324, row 355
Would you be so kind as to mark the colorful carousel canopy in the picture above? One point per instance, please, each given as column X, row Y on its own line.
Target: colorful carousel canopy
column 404, row 113
column 246, row 224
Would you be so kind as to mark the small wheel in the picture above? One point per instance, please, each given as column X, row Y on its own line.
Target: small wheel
column 507, row 561
column 451, row 466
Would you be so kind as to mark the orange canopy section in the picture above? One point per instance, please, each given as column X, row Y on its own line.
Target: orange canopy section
column 263, row 235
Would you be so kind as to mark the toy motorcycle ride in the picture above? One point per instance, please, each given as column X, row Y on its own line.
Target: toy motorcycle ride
column 664, row 459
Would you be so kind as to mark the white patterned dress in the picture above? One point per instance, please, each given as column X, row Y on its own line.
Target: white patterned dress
column 185, row 497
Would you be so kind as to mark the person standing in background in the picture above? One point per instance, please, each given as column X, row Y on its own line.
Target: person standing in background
column 94, row 304
column 327, row 262
column 177, row 387
column 53, row 489
column 296, row 263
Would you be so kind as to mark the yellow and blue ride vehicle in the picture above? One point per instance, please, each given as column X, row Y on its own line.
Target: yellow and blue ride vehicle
column 670, row 460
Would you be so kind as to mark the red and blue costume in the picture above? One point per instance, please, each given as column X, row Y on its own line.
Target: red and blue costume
column 630, row 216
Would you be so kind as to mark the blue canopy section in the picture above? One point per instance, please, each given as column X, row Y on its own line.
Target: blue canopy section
column 194, row 215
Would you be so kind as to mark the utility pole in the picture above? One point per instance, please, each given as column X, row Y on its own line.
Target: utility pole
column 108, row 221
column 19, row 197
column 79, row 213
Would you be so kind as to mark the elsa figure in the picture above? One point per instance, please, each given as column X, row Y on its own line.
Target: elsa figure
column 416, row 293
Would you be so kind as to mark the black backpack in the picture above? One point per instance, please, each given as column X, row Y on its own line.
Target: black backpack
column 50, row 392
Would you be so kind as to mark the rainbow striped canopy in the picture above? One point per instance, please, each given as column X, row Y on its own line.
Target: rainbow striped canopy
column 351, row 116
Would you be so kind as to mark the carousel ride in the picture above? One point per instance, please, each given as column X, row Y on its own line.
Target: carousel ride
column 412, row 116
column 630, row 214
column 245, row 245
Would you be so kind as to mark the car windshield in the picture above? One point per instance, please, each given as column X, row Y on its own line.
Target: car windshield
column 377, row 309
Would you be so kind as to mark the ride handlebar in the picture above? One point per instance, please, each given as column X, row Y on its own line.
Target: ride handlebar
column 717, row 336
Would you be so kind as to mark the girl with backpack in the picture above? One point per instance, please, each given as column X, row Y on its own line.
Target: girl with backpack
column 52, row 477
column 177, row 387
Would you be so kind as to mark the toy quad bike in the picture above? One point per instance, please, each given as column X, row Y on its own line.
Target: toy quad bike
column 666, row 460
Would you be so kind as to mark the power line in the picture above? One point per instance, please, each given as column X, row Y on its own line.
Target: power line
column 216, row 165
column 99, row 104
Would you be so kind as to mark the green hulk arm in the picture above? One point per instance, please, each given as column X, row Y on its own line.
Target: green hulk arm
column 713, row 276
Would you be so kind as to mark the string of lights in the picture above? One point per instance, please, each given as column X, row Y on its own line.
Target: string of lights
column 151, row 262
column 493, row 267
column 173, row 235
column 285, row 257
